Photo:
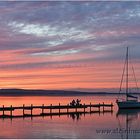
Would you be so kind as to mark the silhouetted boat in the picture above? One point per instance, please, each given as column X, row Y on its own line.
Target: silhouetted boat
column 131, row 101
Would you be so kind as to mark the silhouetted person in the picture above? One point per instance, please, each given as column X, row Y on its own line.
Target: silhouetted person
column 78, row 102
column 73, row 103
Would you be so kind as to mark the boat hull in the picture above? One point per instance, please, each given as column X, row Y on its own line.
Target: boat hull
column 128, row 105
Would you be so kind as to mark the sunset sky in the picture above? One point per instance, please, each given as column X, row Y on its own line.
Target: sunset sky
column 67, row 45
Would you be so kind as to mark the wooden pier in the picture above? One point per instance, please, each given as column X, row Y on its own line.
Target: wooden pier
column 52, row 110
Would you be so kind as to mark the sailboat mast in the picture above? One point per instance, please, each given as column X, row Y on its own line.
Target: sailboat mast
column 127, row 55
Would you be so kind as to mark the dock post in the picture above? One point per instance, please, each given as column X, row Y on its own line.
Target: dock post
column 84, row 108
column 50, row 108
column 76, row 109
column 31, row 109
column 111, row 106
column 23, row 110
column 99, row 107
column 59, row 108
column 67, row 108
column 3, row 110
column 90, row 107
column 103, row 107
column 42, row 109
column 11, row 111
column 51, row 111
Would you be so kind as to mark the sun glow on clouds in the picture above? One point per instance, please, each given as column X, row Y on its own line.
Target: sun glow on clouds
column 67, row 45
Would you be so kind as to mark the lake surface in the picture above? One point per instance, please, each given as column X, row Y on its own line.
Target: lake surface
column 119, row 124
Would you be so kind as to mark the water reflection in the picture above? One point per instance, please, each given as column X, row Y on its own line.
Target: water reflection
column 131, row 117
column 76, row 116
column 69, row 126
column 128, row 112
column 73, row 115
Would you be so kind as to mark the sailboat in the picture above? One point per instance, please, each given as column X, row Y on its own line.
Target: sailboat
column 131, row 101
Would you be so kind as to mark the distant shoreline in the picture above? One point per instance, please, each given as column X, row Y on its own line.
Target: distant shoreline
column 24, row 92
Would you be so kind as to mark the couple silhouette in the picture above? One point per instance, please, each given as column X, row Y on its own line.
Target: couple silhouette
column 75, row 103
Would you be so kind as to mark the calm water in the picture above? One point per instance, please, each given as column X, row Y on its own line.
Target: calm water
column 86, row 126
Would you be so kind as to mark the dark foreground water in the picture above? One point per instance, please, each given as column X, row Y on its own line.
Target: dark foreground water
column 119, row 124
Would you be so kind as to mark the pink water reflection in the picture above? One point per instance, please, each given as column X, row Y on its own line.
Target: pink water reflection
column 62, row 126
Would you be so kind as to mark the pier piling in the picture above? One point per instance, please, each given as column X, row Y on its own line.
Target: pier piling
column 42, row 108
column 111, row 106
column 84, row 108
column 76, row 109
column 11, row 111
column 59, row 108
column 90, row 106
column 67, row 108
column 3, row 110
column 103, row 107
column 99, row 107
column 31, row 109
column 51, row 109
column 23, row 110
